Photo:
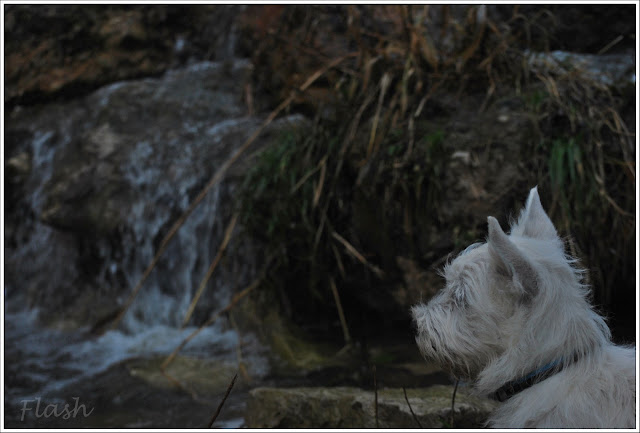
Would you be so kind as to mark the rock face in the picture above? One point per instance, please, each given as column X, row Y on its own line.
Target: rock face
column 608, row 69
column 346, row 407
column 95, row 184
column 67, row 50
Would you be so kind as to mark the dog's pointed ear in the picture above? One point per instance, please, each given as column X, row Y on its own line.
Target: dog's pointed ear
column 534, row 221
column 511, row 260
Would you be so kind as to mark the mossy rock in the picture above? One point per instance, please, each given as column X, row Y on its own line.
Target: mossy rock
column 204, row 377
column 291, row 351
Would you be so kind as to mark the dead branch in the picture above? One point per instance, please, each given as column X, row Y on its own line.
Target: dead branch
column 241, row 365
column 212, row 267
column 351, row 249
column 410, row 408
column 226, row 394
column 375, row 390
column 453, row 401
column 384, row 85
column 343, row 322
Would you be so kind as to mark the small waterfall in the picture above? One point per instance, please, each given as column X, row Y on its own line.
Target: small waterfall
column 110, row 174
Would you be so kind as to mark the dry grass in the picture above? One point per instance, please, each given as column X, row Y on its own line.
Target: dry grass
column 369, row 137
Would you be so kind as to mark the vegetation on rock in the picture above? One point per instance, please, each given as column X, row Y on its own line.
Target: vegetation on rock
column 434, row 120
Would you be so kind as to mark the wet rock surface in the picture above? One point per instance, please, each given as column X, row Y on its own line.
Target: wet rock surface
column 97, row 183
column 120, row 398
column 119, row 380
column 607, row 69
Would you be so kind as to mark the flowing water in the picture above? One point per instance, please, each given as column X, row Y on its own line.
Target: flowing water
column 158, row 141
column 53, row 367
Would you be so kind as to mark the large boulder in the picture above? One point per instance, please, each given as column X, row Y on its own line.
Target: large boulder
column 346, row 407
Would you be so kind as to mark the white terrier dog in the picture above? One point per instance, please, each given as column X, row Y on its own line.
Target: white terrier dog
column 514, row 320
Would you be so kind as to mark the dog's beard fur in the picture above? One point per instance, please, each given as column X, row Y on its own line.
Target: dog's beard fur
column 514, row 304
column 444, row 333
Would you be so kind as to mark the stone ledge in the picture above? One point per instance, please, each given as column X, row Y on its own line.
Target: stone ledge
column 347, row 407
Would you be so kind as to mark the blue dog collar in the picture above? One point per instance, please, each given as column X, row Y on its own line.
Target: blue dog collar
column 513, row 387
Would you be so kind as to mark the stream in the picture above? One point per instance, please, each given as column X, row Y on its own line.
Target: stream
column 97, row 183
column 50, row 368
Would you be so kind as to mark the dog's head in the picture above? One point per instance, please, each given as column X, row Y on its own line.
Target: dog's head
column 493, row 290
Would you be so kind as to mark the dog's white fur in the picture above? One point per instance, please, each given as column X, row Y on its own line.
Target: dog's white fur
column 515, row 304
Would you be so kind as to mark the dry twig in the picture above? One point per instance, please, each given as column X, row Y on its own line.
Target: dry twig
column 212, row 267
column 215, row 415
column 453, row 401
column 410, row 408
column 351, row 249
column 384, row 85
column 343, row 321
column 241, row 365
column 375, row 390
